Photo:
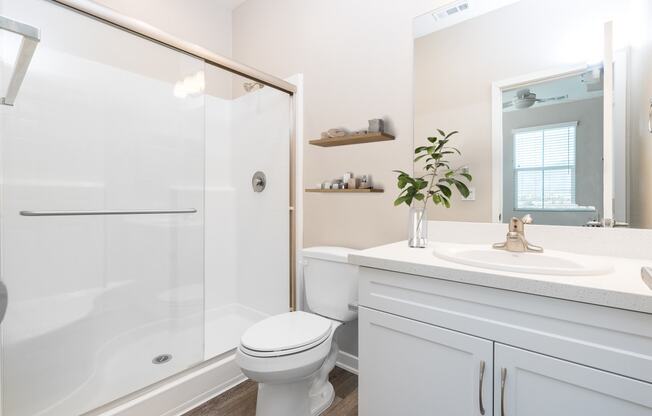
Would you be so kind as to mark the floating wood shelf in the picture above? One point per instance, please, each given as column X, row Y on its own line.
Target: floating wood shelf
column 357, row 190
column 352, row 139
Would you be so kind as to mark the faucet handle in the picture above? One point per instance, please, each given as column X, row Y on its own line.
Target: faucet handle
column 527, row 219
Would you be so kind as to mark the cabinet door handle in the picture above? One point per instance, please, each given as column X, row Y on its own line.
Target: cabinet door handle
column 503, row 377
column 482, row 366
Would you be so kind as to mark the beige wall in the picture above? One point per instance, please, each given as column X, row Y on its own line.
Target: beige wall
column 357, row 60
column 204, row 22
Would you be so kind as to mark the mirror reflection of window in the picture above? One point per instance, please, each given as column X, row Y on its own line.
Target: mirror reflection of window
column 544, row 168
column 552, row 134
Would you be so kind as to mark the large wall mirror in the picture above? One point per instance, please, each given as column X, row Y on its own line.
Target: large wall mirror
column 552, row 102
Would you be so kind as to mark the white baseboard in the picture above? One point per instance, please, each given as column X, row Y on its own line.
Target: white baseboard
column 348, row 362
column 179, row 394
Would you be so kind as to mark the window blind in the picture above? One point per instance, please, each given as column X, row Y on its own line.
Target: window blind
column 544, row 167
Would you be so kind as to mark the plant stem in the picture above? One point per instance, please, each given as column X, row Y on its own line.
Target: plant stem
column 425, row 203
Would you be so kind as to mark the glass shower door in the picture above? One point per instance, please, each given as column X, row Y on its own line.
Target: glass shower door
column 109, row 124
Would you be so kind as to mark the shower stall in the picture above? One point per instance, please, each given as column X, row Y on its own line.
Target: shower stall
column 145, row 210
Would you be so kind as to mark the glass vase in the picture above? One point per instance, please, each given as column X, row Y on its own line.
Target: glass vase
column 418, row 232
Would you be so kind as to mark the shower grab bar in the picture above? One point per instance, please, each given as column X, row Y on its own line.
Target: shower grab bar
column 31, row 37
column 107, row 212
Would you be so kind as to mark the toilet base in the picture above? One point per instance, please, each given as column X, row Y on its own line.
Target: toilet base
column 288, row 399
column 322, row 393
column 321, row 401
column 306, row 397
column 292, row 399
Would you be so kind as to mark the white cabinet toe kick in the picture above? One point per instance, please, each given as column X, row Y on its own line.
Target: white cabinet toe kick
column 435, row 347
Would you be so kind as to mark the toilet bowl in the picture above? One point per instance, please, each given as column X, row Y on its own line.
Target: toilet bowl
column 290, row 355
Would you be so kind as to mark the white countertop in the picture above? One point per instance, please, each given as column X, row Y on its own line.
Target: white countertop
column 622, row 288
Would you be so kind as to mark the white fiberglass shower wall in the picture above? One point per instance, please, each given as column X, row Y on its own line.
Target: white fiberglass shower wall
column 247, row 233
column 111, row 124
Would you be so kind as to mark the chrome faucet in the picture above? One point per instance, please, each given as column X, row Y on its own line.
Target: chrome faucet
column 515, row 240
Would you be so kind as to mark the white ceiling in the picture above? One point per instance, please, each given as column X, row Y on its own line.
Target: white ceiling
column 230, row 4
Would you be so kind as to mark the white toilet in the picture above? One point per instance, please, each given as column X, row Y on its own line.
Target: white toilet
column 290, row 355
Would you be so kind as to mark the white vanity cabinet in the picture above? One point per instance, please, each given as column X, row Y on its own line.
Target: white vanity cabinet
column 533, row 384
column 423, row 342
column 411, row 368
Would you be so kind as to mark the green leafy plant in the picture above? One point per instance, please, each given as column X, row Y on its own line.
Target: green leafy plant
column 439, row 180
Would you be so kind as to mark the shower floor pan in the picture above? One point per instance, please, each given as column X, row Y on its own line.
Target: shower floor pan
column 128, row 362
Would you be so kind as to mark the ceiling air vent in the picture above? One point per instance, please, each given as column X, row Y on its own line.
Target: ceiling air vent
column 450, row 10
column 454, row 13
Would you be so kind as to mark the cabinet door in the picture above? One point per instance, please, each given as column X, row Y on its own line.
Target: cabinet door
column 411, row 368
column 530, row 384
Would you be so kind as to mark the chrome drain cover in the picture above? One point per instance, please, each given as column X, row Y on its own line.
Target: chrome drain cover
column 162, row 359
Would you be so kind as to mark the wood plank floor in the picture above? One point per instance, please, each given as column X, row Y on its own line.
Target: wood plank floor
column 241, row 400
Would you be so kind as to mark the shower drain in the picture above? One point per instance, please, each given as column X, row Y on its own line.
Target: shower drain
column 162, row 359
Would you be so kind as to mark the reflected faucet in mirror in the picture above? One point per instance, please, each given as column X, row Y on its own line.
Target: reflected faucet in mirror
column 515, row 240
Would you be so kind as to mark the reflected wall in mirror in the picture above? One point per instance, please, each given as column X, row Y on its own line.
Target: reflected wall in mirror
column 526, row 83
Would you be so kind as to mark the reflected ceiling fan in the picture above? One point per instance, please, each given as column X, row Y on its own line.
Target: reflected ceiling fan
column 526, row 99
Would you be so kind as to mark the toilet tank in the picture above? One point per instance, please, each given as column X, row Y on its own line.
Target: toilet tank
column 330, row 282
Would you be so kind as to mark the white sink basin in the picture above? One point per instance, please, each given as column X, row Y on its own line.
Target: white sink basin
column 549, row 262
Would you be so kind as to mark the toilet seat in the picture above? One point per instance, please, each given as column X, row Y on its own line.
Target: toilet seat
column 285, row 334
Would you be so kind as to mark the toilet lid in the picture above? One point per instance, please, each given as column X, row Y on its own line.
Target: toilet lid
column 287, row 331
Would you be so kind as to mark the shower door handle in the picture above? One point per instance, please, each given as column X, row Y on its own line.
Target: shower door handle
column 4, row 300
column 31, row 36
